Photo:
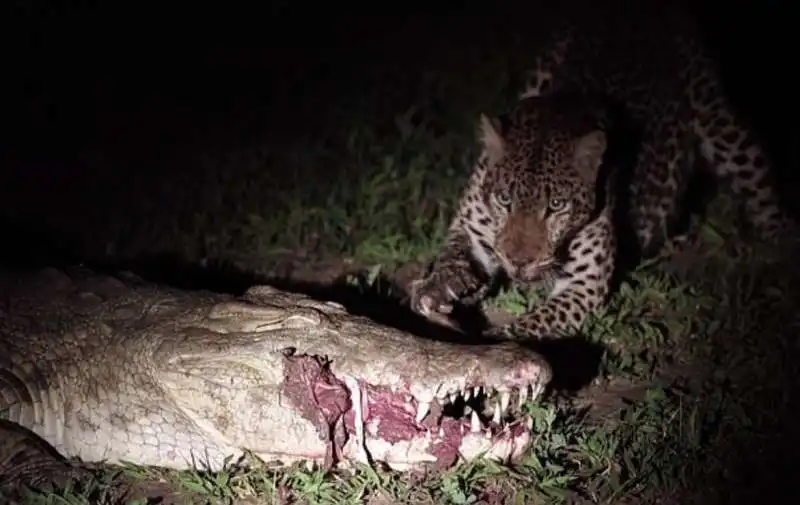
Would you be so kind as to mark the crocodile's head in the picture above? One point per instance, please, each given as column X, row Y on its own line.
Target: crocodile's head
column 158, row 376
column 352, row 390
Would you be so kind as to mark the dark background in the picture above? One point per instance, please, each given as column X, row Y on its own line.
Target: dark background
column 136, row 79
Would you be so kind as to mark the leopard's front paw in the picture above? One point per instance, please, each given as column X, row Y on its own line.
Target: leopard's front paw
column 430, row 295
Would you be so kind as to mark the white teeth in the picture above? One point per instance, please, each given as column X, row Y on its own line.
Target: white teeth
column 423, row 394
column 505, row 399
column 537, row 390
column 474, row 423
column 355, row 391
column 523, row 395
column 501, row 403
column 422, row 410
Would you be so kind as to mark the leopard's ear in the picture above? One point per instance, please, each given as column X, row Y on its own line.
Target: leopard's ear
column 589, row 152
column 491, row 136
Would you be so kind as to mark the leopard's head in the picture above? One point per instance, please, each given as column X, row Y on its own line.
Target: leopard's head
column 542, row 173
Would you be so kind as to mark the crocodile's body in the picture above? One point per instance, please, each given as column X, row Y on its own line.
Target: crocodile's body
column 115, row 369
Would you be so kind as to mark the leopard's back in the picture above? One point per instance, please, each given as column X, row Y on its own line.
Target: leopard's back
column 651, row 57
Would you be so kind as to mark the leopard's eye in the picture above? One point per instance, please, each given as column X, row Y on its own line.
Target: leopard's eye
column 503, row 198
column 557, row 204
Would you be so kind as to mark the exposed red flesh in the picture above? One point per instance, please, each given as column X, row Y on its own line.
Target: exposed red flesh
column 325, row 400
column 320, row 397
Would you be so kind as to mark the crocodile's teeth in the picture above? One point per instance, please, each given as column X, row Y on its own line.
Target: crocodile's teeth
column 422, row 410
column 467, row 394
column 423, row 395
column 505, row 399
column 478, row 390
column 496, row 416
column 523, row 395
column 529, row 423
column 358, row 411
column 541, row 387
column 474, row 423
column 537, row 390
column 468, row 410
column 453, row 397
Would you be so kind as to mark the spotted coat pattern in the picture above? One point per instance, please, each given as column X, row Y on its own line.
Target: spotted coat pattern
column 530, row 207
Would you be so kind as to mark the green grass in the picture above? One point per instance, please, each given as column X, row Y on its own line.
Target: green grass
column 392, row 183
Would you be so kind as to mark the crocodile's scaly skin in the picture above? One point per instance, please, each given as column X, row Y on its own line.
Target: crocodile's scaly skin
column 114, row 369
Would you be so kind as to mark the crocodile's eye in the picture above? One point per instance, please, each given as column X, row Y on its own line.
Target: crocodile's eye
column 503, row 198
column 557, row 204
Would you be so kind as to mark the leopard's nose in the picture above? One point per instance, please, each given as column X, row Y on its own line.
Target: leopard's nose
column 521, row 263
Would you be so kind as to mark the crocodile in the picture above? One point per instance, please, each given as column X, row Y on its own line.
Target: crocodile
column 108, row 369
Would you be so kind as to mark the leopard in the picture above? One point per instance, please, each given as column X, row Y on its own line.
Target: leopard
column 539, row 208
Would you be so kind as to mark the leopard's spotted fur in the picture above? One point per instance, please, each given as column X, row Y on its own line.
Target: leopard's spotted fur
column 530, row 208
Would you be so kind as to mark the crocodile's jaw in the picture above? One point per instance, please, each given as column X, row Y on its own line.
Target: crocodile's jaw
column 372, row 423
column 433, row 449
column 157, row 376
column 440, row 447
column 286, row 412
column 314, row 416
